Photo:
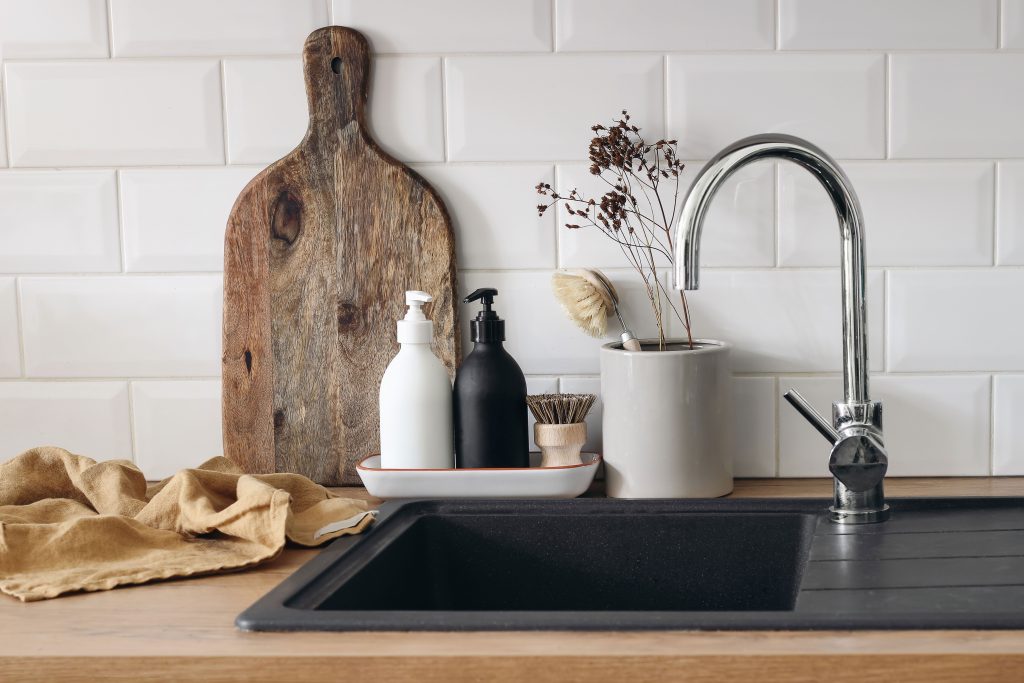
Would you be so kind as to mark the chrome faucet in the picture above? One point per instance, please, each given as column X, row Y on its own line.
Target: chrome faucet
column 858, row 461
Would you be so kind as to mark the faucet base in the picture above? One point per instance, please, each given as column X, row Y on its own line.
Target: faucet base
column 858, row 507
column 858, row 516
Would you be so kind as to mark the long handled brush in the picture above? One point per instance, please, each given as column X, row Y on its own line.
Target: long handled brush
column 588, row 298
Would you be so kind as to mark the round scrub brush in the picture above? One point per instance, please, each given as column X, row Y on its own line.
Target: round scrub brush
column 560, row 431
column 588, row 298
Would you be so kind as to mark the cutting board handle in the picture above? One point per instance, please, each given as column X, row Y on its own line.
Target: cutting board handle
column 336, row 62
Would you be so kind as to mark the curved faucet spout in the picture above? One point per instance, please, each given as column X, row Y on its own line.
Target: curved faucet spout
column 858, row 460
column 851, row 233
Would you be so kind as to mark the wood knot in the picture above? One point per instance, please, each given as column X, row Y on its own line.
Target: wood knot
column 286, row 219
column 278, row 419
column 348, row 316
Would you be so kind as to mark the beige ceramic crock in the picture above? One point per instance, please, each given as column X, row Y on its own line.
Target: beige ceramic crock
column 668, row 422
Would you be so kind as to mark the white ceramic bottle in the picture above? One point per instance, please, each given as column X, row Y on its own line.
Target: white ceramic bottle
column 416, row 398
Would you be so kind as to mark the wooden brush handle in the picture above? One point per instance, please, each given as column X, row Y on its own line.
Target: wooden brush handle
column 560, row 445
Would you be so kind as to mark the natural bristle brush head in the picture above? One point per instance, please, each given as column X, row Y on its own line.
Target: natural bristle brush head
column 560, row 431
column 562, row 409
column 586, row 299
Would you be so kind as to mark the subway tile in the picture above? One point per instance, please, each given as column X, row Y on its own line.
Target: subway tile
column 754, row 416
column 955, row 320
column 934, row 425
column 538, row 385
column 59, row 221
column 405, row 107
column 267, row 114
column 588, row 385
column 716, row 99
column 538, row 333
column 1012, row 21
column 1008, row 435
column 594, row 25
column 111, row 113
column 164, row 233
column 3, row 128
column 177, row 425
column 533, row 107
column 86, row 418
column 905, row 222
column 956, row 105
column 739, row 229
column 1010, row 215
column 225, row 27
column 450, row 25
column 266, row 111
column 781, row 321
column 493, row 209
column 53, row 28
column 10, row 361
column 121, row 326
column 887, row 24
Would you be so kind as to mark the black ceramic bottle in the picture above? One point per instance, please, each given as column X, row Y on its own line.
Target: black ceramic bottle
column 489, row 409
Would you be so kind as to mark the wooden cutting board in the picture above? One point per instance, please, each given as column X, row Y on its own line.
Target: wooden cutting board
column 319, row 250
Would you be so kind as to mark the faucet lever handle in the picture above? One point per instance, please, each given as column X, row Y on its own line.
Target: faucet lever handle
column 811, row 415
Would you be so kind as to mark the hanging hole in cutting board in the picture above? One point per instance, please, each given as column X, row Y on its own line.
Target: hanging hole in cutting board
column 336, row 65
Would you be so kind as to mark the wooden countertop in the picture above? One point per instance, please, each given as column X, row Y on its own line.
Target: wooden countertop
column 183, row 631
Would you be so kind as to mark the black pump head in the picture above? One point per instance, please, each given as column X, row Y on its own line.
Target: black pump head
column 487, row 326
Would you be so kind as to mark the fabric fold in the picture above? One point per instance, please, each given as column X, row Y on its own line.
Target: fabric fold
column 69, row 523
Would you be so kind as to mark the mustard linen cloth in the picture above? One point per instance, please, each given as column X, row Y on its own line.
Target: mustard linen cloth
column 69, row 523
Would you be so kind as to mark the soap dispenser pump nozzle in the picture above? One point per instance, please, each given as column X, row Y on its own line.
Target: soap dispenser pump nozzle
column 486, row 326
column 415, row 327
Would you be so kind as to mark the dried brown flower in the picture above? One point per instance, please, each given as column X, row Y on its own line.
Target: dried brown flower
column 635, row 211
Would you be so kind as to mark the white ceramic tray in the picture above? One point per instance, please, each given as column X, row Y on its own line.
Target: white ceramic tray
column 529, row 482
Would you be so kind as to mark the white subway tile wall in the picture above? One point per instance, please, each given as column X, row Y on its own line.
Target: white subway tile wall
column 128, row 127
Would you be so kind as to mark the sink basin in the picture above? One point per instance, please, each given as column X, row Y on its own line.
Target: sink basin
column 604, row 564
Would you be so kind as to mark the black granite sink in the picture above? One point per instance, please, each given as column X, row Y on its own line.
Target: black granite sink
column 614, row 564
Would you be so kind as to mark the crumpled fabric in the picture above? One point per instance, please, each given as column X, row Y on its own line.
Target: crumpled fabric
column 69, row 523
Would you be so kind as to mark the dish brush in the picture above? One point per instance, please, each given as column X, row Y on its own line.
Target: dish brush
column 560, row 431
column 588, row 298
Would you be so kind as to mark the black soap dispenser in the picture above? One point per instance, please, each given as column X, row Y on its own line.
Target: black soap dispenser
column 489, row 409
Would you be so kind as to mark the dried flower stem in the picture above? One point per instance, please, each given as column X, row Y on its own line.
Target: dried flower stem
column 633, row 170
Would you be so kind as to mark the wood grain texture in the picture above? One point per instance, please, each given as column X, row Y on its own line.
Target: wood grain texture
column 183, row 631
column 319, row 250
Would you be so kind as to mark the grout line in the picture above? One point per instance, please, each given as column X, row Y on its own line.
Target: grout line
column 991, row 425
column 116, row 274
column 527, row 54
column 885, row 320
column 554, row 25
column 257, row 166
column 776, row 389
column 778, row 25
column 224, row 109
column 110, row 30
column 997, row 175
column 664, row 96
column 545, row 270
column 556, row 227
column 999, row 24
column 119, row 198
column 19, row 318
column 330, row 12
column 777, row 214
column 887, row 106
column 134, row 378
column 5, row 115
column 444, row 110
column 131, row 420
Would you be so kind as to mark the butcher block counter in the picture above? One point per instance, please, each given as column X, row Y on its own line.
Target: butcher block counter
column 184, row 631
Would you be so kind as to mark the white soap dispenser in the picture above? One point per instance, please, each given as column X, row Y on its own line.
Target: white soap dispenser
column 416, row 398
